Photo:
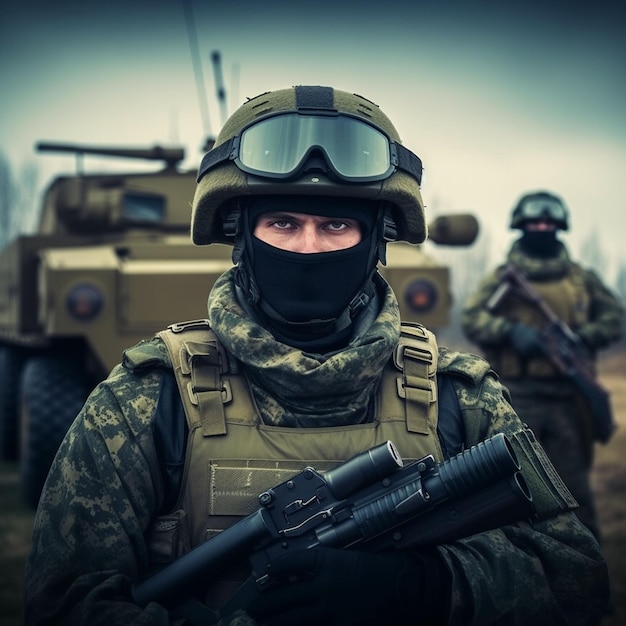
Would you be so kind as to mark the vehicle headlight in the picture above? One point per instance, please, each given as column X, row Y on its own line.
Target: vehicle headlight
column 421, row 295
column 84, row 301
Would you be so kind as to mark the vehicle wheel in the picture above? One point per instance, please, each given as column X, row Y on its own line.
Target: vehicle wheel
column 11, row 362
column 53, row 390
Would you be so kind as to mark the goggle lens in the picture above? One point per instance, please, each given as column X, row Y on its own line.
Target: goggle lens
column 548, row 209
column 281, row 145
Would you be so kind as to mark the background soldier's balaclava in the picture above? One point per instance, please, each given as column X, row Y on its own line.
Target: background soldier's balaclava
column 540, row 243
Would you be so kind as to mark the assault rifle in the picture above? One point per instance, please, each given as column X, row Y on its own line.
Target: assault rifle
column 564, row 349
column 372, row 502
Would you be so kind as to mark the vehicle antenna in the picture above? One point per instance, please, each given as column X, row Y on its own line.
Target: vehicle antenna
column 216, row 59
column 199, row 75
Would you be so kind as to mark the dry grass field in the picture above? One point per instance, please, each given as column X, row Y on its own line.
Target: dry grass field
column 609, row 479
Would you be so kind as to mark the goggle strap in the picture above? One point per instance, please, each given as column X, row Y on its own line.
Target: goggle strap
column 215, row 156
column 409, row 162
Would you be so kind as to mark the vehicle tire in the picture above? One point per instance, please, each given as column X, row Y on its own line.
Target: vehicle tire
column 11, row 362
column 53, row 390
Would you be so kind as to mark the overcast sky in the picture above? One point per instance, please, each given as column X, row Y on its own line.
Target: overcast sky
column 497, row 98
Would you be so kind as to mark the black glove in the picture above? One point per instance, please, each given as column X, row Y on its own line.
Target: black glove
column 526, row 340
column 329, row 586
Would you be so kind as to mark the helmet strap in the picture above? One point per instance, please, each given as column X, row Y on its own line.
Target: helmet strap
column 232, row 228
column 245, row 281
column 388, row 232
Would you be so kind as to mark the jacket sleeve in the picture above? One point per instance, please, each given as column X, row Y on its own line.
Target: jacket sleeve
column 606, row 315
column 550, row 571
column 480, row 325
column 102, row 490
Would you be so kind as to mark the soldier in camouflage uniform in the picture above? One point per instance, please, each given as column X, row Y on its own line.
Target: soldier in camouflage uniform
column 545, row 399
column 304, row 363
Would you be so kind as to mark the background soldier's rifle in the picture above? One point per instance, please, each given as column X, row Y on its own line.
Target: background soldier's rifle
column 564, row 349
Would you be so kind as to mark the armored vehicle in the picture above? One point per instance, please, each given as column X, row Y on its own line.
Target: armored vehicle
column 112, row 263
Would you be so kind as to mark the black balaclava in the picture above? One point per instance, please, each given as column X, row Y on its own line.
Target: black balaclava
column 309, row 300
column 540, row 243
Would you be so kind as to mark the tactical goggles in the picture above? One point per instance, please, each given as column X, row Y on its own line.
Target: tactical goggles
column 538, row 208
column 285, row 145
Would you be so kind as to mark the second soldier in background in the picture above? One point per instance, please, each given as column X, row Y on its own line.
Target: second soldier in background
column 549, row 401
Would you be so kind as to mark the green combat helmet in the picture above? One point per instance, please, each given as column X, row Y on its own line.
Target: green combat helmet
column 300, row 141
column 540, row 204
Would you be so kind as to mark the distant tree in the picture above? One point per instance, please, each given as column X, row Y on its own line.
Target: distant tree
column 467, row 267
column 620, row 288
column 18, row 200
column 592, row 253
column 471, row 267
column 7, row 201
column 620, row 283
column 28, row 197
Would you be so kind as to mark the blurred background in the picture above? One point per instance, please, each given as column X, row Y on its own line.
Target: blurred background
column 498, row 99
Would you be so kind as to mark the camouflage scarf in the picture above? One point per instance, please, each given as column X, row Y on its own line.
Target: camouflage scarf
column 536, row 268
column 297, row 389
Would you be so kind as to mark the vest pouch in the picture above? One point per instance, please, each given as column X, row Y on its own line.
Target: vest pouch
column 508, row 364
column 233, row 489
column 550, row 495
column 168, row 538
column 541, row 368
column 234, row 486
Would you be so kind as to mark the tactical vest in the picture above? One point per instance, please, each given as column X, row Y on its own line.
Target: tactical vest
column 232, row 457
column 569, row 300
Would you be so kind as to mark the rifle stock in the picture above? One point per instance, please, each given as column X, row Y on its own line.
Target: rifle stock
column 564, row 350
column 371, row 502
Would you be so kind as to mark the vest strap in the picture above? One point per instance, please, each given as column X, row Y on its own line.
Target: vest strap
column 199, row 362
column 416, row 357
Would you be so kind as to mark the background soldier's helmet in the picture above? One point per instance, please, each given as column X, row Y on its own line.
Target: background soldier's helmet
column 538, row 205
column 307, row 141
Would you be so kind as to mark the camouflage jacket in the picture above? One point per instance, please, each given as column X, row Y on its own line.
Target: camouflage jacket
column 106, row 485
